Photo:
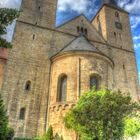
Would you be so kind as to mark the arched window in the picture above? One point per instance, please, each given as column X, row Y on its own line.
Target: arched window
column 117, row 14
column 85, row 31
column 62, row 88
column 82, row 29
column 28, row 85
column 22, row 113
column 94, row 82
column 78, row 29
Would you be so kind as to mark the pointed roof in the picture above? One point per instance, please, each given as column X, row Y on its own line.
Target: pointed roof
column 112, row 2
column 79, row 44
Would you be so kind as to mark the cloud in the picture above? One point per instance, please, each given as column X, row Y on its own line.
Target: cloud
column 135, row 21
column 139, row 76
column 79, row 6
column 133, row 7
column 136, row 46
column 136, row 37
column 10, row 3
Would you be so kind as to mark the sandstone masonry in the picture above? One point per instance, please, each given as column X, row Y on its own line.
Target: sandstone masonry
column 41, row 53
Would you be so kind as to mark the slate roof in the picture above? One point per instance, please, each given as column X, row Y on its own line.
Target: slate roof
column 79, row 44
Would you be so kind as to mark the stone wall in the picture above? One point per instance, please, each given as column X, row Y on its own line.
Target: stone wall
column 121, row 48
column 29, row 59
column 39, row 12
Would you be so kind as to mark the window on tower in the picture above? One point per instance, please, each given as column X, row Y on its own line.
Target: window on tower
column 82, row 30
column 78, row 29
column 85, row 31
column 118, row 25
column 28, row 86
column 62, row 88
column 22, row 113
column 115, row 35
column 117, row 14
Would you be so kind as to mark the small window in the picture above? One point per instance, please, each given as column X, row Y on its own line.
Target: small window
column 78, row 29
column 33, row 36
column 94, row 82
column 118, row 25
column 124, row 67
column 28, row 85
column 22, row 114
column 115, row 35
column 86, row 31
column 62, row 89
column 82, row 30
column 117, row 14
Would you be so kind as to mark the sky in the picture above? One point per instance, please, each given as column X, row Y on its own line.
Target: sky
column 68, row 9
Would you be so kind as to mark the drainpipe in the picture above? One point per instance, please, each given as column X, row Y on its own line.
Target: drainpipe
column 46, row 115
column 78, row 78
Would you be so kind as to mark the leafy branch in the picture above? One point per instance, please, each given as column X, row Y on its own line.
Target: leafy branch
column 7, row 16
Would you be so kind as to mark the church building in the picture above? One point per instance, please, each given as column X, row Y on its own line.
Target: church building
column 50, row 67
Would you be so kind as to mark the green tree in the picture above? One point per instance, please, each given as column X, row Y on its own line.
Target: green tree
column 6, row 133
column 101, row 115
column 7, row 16
column 49, row 134
column 132, row 127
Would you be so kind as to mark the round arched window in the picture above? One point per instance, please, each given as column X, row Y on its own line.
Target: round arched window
column 62, row 89
column 28, row 86
column 94, row 82
column 117, row 14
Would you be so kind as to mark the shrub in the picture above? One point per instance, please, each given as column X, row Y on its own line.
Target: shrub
column 102, row 115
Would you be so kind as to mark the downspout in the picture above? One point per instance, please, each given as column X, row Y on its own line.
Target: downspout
column 46, row 118
column 78, row 78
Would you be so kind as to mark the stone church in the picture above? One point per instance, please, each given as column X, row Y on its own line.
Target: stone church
column 49, row 67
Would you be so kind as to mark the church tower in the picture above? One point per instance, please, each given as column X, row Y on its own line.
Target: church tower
column 114, row 25
column 26, row 79
column 39, row 12
column 112, row 22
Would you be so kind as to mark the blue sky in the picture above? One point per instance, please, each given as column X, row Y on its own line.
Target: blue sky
column 68, row 9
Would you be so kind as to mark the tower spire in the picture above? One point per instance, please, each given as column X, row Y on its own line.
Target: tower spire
column 112, row 2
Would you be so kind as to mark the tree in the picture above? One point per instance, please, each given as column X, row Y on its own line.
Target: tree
column 49, row 134
column 6, row 133
column 7, row 16
column 102, row 115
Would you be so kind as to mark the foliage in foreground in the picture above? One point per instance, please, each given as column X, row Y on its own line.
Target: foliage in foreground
column 104, row 115
column 7, row 16
column 48, row 136
column 6, row 133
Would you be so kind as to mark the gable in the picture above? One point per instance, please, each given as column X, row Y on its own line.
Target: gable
column 71, row 27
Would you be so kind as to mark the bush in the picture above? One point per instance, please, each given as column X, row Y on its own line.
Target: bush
column 6, row 133
column 104, row 115
column 10, row 134
column 24, row 139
